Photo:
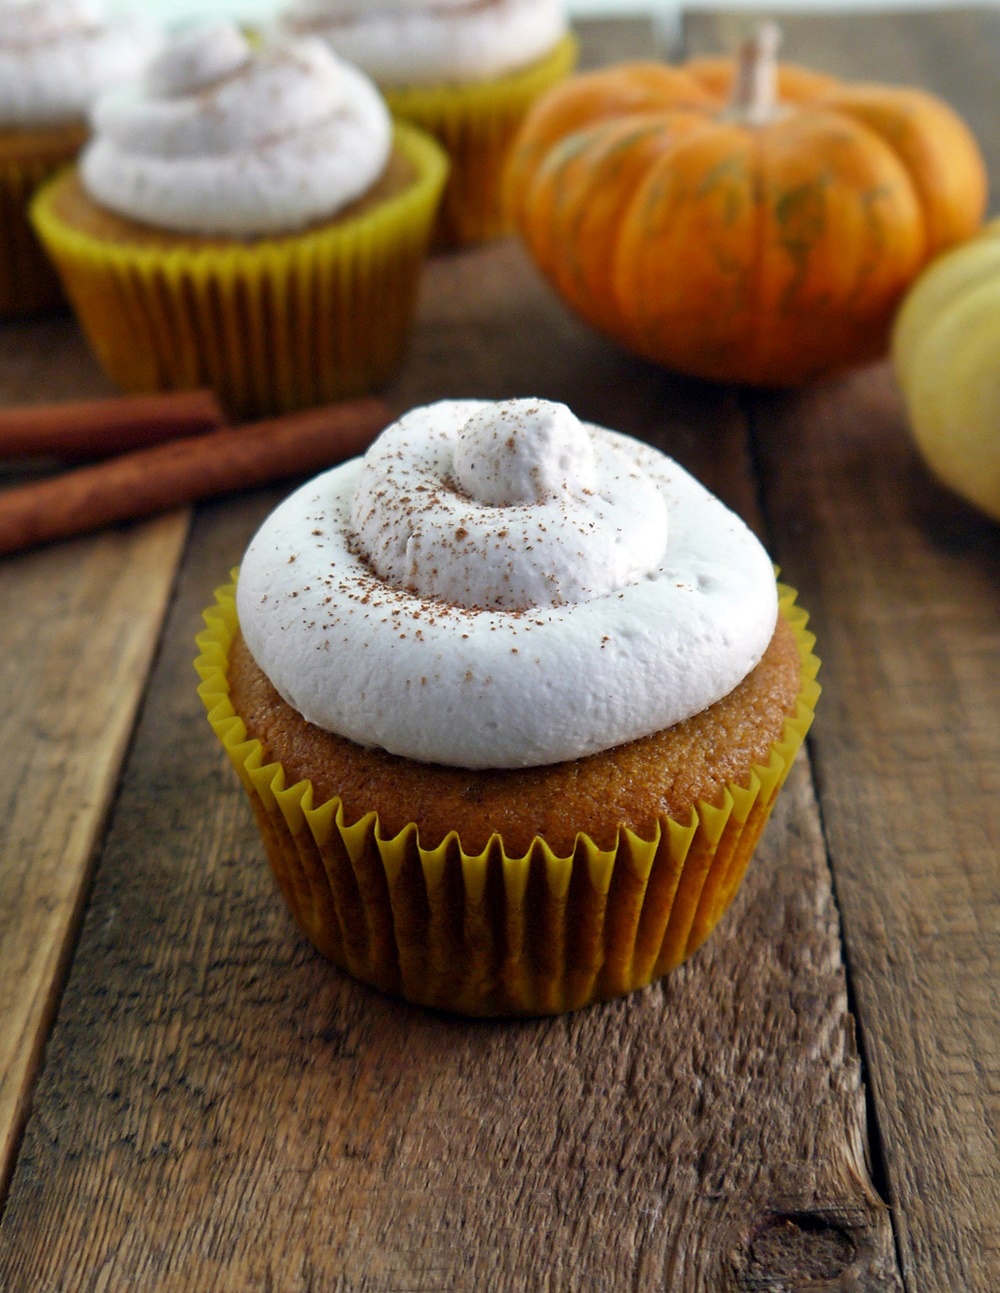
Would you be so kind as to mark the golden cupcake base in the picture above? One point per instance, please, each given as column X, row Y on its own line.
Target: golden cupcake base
column 271, row 324
column 476, row 125
column 486, row 933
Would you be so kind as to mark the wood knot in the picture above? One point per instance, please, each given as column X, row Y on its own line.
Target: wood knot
column 801, row 1246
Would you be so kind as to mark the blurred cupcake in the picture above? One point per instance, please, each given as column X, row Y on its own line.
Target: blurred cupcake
column 55, row 57
column 247, row 219
column 467, row 71
column 511, row 698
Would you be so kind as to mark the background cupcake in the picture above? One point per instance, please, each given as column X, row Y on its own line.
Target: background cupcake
column 245, row 218
column 512, row 698
column 467, row 71
column 55, row 57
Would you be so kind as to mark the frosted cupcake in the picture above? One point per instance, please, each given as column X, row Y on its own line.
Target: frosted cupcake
column 512, row 698
column 245, row 218
column 55, row 57
column 467, row 71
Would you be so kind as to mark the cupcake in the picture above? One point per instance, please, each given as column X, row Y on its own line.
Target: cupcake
column 55, row 56
column 467, row 71
column 245, row 218
column 512, row 697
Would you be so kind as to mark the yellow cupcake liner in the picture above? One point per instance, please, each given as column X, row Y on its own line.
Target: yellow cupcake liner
column 487, row 933
column 29, row 283
column 476, row 125
column 271, row 325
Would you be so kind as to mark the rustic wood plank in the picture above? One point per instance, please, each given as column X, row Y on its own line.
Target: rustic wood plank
column 903, row 581
column 908, row 760
column 220, row 1108
column 78, row 626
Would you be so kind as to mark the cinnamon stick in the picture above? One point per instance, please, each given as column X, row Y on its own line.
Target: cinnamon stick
column 79, row 429
column 171, row 475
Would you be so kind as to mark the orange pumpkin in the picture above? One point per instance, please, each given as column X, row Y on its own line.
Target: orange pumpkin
column 747, row 222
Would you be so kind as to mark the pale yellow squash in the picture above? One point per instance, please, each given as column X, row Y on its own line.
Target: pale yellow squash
column 946, row 353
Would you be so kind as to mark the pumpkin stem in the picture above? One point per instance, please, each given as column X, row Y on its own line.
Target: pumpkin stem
column 755, row 89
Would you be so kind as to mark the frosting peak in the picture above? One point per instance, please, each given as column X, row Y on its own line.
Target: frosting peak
column 223, row 138
column 504, row 506
column 523, row 451
column 196, row 58
column 388, row 603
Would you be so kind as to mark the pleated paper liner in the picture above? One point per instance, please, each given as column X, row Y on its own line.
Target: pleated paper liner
column 476, row 125
column 270, row 324
column 488, row 934
column 29, row 284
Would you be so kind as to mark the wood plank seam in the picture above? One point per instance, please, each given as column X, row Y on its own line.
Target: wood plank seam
column 83, row 771
column 875, row 1154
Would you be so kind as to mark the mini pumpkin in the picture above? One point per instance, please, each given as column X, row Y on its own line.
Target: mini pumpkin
column 946, row 353
column 744, row 221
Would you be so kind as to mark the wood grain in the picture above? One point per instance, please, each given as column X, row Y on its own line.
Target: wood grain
column 78, row 626
column 249, row 1118
column 908, row 760
column 218, row 1108
column 904, row 580
column 221, row 1109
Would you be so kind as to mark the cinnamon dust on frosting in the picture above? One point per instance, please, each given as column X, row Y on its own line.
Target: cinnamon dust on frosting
column 221, row 137
column 504, row 586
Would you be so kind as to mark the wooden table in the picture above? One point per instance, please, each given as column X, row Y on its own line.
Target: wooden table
column 191, row 1099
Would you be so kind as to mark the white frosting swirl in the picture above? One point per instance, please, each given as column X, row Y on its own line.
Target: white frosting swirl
column 416, row 42
column 516, row 506
column 470, row 655
column 56, row 56
column 223, row 138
